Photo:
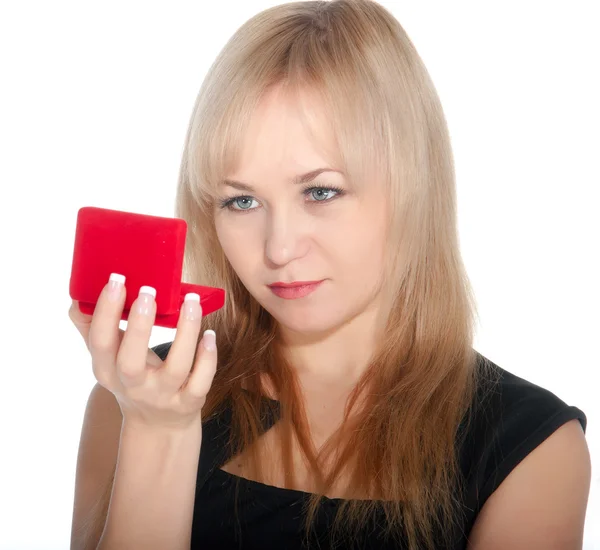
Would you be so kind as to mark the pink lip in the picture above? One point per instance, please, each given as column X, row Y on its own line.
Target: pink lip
column 292, row 291
column 294, row 283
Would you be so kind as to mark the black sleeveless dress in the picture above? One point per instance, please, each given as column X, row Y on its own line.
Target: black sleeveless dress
column 515, row 416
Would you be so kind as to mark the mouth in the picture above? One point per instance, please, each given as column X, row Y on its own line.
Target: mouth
column 293, row 284
column 295, row 290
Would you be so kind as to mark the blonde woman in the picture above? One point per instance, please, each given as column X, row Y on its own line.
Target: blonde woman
column 347, row 405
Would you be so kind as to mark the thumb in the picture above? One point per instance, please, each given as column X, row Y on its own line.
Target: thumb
column 81, row 320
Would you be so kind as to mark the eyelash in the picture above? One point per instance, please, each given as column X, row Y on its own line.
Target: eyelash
column 228, row 202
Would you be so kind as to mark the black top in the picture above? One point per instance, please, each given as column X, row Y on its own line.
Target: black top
column 514, row 418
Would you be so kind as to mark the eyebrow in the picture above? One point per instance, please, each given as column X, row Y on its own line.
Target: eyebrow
column 300, row 179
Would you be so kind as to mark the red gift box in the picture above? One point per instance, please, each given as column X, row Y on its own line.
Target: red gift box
column 147, row 250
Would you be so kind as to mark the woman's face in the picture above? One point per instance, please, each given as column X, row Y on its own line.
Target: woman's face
column 275, row 230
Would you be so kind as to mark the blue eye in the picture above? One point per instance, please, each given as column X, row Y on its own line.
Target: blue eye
column 322, row 191
column 319, row 194
column 239, row 201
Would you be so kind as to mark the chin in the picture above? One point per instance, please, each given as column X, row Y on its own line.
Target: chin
column 316, row 319
column 304, row 327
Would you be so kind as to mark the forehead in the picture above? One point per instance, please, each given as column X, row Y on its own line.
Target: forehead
column 289, row 132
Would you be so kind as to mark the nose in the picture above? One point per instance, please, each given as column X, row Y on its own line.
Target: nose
column 286, row 236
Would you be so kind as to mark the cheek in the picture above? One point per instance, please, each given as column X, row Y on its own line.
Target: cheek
column 230, row 238
column 363, row 262
column 359, row 245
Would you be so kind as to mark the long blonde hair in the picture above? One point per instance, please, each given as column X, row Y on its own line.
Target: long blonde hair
column 399, row 448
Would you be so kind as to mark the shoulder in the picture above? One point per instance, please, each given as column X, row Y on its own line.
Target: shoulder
column 510, row 417
column 523, row 442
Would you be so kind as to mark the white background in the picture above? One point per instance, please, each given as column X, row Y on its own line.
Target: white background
column 94, row 104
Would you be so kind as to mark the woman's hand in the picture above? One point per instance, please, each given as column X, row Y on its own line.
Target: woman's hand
column 157, row 393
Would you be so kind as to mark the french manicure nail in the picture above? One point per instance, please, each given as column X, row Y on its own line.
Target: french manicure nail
column 209, row 340
column 115, row 285
column 145, row 298
column 191, row 306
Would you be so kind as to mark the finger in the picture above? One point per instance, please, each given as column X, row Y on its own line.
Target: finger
column 182, row 351
column 205, row 366
column 133, row 352
column 103, row 336
column 83, row 321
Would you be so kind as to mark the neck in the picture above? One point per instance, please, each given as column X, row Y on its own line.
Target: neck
column 337, row 358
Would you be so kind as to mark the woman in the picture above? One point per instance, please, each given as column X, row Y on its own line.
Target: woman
column 348, row 405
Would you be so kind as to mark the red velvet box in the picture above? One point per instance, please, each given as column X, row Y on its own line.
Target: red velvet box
column 148, row 250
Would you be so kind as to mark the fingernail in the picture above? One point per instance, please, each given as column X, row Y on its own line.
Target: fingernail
column 209, row 340
column 191, row 306
column 115, row 285
column 145, row 299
